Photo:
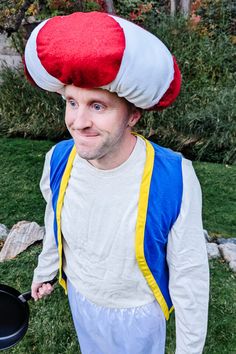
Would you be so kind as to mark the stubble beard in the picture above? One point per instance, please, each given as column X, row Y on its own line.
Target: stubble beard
column 94, row 153
column 108, row 147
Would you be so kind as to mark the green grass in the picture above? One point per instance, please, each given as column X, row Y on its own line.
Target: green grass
column 221, row 336
column 218, row 184
column 51, row 330
column 21, row 164
column 222, row 325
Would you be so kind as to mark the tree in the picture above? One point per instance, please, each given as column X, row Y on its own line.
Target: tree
column 110, row 8
column 184, row 7
column 12, row 14
column 173, row 7
column 15, row 12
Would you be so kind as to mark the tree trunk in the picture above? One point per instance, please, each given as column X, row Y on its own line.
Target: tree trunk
column 173, row 7
column 110, row 8
column 185, row 7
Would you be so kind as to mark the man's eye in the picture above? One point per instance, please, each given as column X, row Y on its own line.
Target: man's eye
column 72, row 103
column 97, row 106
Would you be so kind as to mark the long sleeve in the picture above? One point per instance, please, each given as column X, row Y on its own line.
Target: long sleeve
column 48, row 259
column 188, row 268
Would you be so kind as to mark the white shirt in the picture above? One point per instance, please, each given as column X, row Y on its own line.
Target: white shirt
column 98, row 224
column 186, row 253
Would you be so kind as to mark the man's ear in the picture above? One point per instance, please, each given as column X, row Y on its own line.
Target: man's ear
column 134, row 117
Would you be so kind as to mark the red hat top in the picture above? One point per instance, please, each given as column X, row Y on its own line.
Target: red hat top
column 98, row 50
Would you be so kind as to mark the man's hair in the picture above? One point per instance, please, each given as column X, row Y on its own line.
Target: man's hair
column 132, row 108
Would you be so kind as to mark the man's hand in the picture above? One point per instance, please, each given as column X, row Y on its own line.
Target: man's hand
column 39, row 290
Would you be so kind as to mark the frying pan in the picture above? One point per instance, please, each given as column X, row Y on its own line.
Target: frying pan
column 14, row 315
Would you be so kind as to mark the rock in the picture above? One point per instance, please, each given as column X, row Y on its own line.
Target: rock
column 212, row 250
column 8, row 56
column 232, row 266
column 3, row 232
column 21, row 236
column 207, row 236
column 221, row 241
column 228, row 251
column 31, row 19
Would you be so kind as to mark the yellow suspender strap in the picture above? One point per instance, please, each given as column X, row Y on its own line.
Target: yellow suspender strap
column 63, row 185
column 140, row 228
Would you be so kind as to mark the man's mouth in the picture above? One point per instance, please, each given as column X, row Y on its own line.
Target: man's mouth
column 85, row 135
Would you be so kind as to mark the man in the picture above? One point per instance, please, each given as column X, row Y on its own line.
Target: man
column 123, row 217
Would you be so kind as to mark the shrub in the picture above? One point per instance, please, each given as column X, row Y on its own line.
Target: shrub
column 203, row 131
column 29, row 112
column 216, row 16
column 202, row 122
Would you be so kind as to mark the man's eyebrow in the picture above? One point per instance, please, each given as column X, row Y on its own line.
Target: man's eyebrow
column 68, row 95
column 104, row 101
column 94, row 98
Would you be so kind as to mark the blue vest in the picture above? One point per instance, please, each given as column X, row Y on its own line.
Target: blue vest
column 158, row 208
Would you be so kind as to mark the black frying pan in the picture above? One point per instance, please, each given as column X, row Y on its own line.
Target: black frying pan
column 14, row 315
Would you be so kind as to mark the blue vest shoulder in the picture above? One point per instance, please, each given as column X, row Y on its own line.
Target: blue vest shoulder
column 58, row 161
column 167, row 181
column 58, row 164
column 164, row 203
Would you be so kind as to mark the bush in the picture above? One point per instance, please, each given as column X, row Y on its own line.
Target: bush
column 206, row 132
column 202, row 123
column 216, row 17
column 29, row 112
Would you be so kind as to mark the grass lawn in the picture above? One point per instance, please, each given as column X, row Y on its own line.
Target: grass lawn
column 218, row 184
column 51, row 330
column 21, row 164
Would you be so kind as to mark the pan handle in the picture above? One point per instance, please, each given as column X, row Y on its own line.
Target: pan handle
column 27, row 296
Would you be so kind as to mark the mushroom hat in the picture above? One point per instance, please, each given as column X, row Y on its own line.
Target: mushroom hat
column 100, row 50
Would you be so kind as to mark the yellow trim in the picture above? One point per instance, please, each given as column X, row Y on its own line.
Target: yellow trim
column 63, row 185
column 140, row 227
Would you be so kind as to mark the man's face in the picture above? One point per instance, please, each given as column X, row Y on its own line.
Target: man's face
column 98, row 121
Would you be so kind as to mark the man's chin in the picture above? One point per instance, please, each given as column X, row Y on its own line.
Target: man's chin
column 90, row 152
column 88, row 155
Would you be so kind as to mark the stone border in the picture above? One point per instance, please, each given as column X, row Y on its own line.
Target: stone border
column 222, row 247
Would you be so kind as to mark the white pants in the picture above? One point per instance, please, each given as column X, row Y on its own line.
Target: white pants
column 103, row 330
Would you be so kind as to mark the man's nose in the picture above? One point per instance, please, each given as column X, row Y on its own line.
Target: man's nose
column 82, row 119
